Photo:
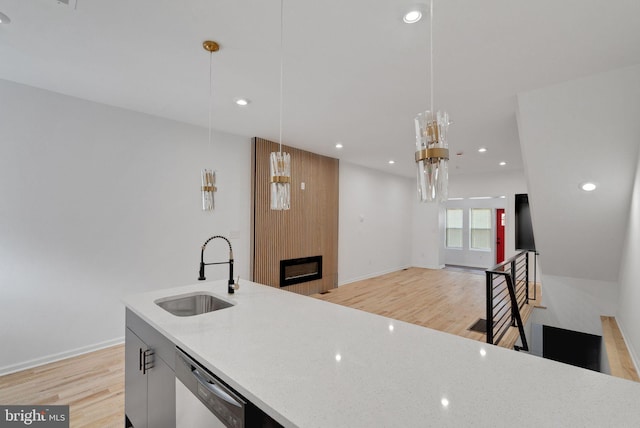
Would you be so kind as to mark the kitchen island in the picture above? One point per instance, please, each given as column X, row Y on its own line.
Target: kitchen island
column 309, row 363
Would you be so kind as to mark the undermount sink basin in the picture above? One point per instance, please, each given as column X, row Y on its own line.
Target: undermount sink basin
column 189, row 305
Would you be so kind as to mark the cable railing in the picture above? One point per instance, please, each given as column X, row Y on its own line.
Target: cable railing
column 507, row 293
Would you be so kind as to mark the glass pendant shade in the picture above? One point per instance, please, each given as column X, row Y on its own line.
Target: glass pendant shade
column 280, row 167
column 432, row 155
column 208, row 180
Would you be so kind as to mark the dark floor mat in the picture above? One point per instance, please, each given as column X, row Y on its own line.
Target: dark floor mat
column 480, row 326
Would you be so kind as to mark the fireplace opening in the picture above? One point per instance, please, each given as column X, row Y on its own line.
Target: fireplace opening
column 296, row 271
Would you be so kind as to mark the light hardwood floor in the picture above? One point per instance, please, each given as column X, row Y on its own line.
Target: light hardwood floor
column 93, row 384
column 448, row 300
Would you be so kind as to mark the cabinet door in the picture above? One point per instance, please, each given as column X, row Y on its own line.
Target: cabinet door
column 135, row 397
column 161, row 387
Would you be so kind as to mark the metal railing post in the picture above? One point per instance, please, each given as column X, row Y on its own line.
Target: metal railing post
column 514, row 303
column 535, row 273
column 489, row 280
column 526, row 276
column 514, row 309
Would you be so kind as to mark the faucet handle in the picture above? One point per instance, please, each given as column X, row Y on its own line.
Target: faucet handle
column 236, row 285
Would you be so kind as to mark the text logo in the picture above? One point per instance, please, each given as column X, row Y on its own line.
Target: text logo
column 34, row 416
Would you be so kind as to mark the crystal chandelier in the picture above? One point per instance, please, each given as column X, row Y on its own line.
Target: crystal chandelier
column 208, row 176
column 280, row 162
column 432, row 149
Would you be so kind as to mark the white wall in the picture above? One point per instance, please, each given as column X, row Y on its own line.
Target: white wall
column 582, row 130
column 508, row 183
column 467, row 256
column 578, row 131
column 428, row 246
column 95, row 203
column 426, row 236
column 374, row 223
column 628, row 315
column 576, row 303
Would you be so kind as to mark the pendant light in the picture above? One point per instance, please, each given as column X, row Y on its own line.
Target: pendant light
column 280, row 162
column 208, row 176
column 432, row 149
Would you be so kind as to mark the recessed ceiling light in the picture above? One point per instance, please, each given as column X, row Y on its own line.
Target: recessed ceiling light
column 242, row 101
column 482, row 149
column 4, row 19
column 412, row 16
column 339, row 145
column 391, row 162
column 503, row 163
column 588, row 187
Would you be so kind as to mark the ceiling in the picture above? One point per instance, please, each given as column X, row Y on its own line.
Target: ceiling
column 353, row 71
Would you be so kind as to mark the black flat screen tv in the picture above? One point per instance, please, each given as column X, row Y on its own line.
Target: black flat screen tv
column 523, row 225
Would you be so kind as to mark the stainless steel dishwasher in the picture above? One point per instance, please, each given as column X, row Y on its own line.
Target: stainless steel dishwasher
column 202, row 400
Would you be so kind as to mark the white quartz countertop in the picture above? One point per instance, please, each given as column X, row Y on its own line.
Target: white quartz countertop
column 310, row 363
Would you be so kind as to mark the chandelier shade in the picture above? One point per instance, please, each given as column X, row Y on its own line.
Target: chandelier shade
column 280, row 168
column 208, row 184
column 432, row 155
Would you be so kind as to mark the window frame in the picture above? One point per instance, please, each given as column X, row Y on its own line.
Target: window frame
column 447, row 228
column 489, row 229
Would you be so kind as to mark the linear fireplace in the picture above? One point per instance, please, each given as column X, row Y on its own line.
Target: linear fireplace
column 295, row 271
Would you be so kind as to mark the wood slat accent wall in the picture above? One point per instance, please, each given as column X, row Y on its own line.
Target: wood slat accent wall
column 309, row 228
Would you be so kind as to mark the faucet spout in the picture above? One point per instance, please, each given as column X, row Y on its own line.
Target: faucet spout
column 201, row 277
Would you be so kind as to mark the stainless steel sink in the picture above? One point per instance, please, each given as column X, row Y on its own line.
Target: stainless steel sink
column 189, row 305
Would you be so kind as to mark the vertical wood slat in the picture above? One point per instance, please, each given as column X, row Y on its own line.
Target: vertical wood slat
column 309, row 228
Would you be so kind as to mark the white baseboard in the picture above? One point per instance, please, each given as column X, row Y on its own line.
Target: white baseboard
column 60, row 356
column 417, row 265
column 372, row 275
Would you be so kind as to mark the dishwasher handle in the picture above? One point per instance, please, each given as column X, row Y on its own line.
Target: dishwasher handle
column 214, row 388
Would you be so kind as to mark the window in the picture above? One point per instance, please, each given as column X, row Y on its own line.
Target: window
column 454, row 228
column 480, row 228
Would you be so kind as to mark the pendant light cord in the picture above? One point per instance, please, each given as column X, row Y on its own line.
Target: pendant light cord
column 210, row 94
column 281, row 70
column 431, row 49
